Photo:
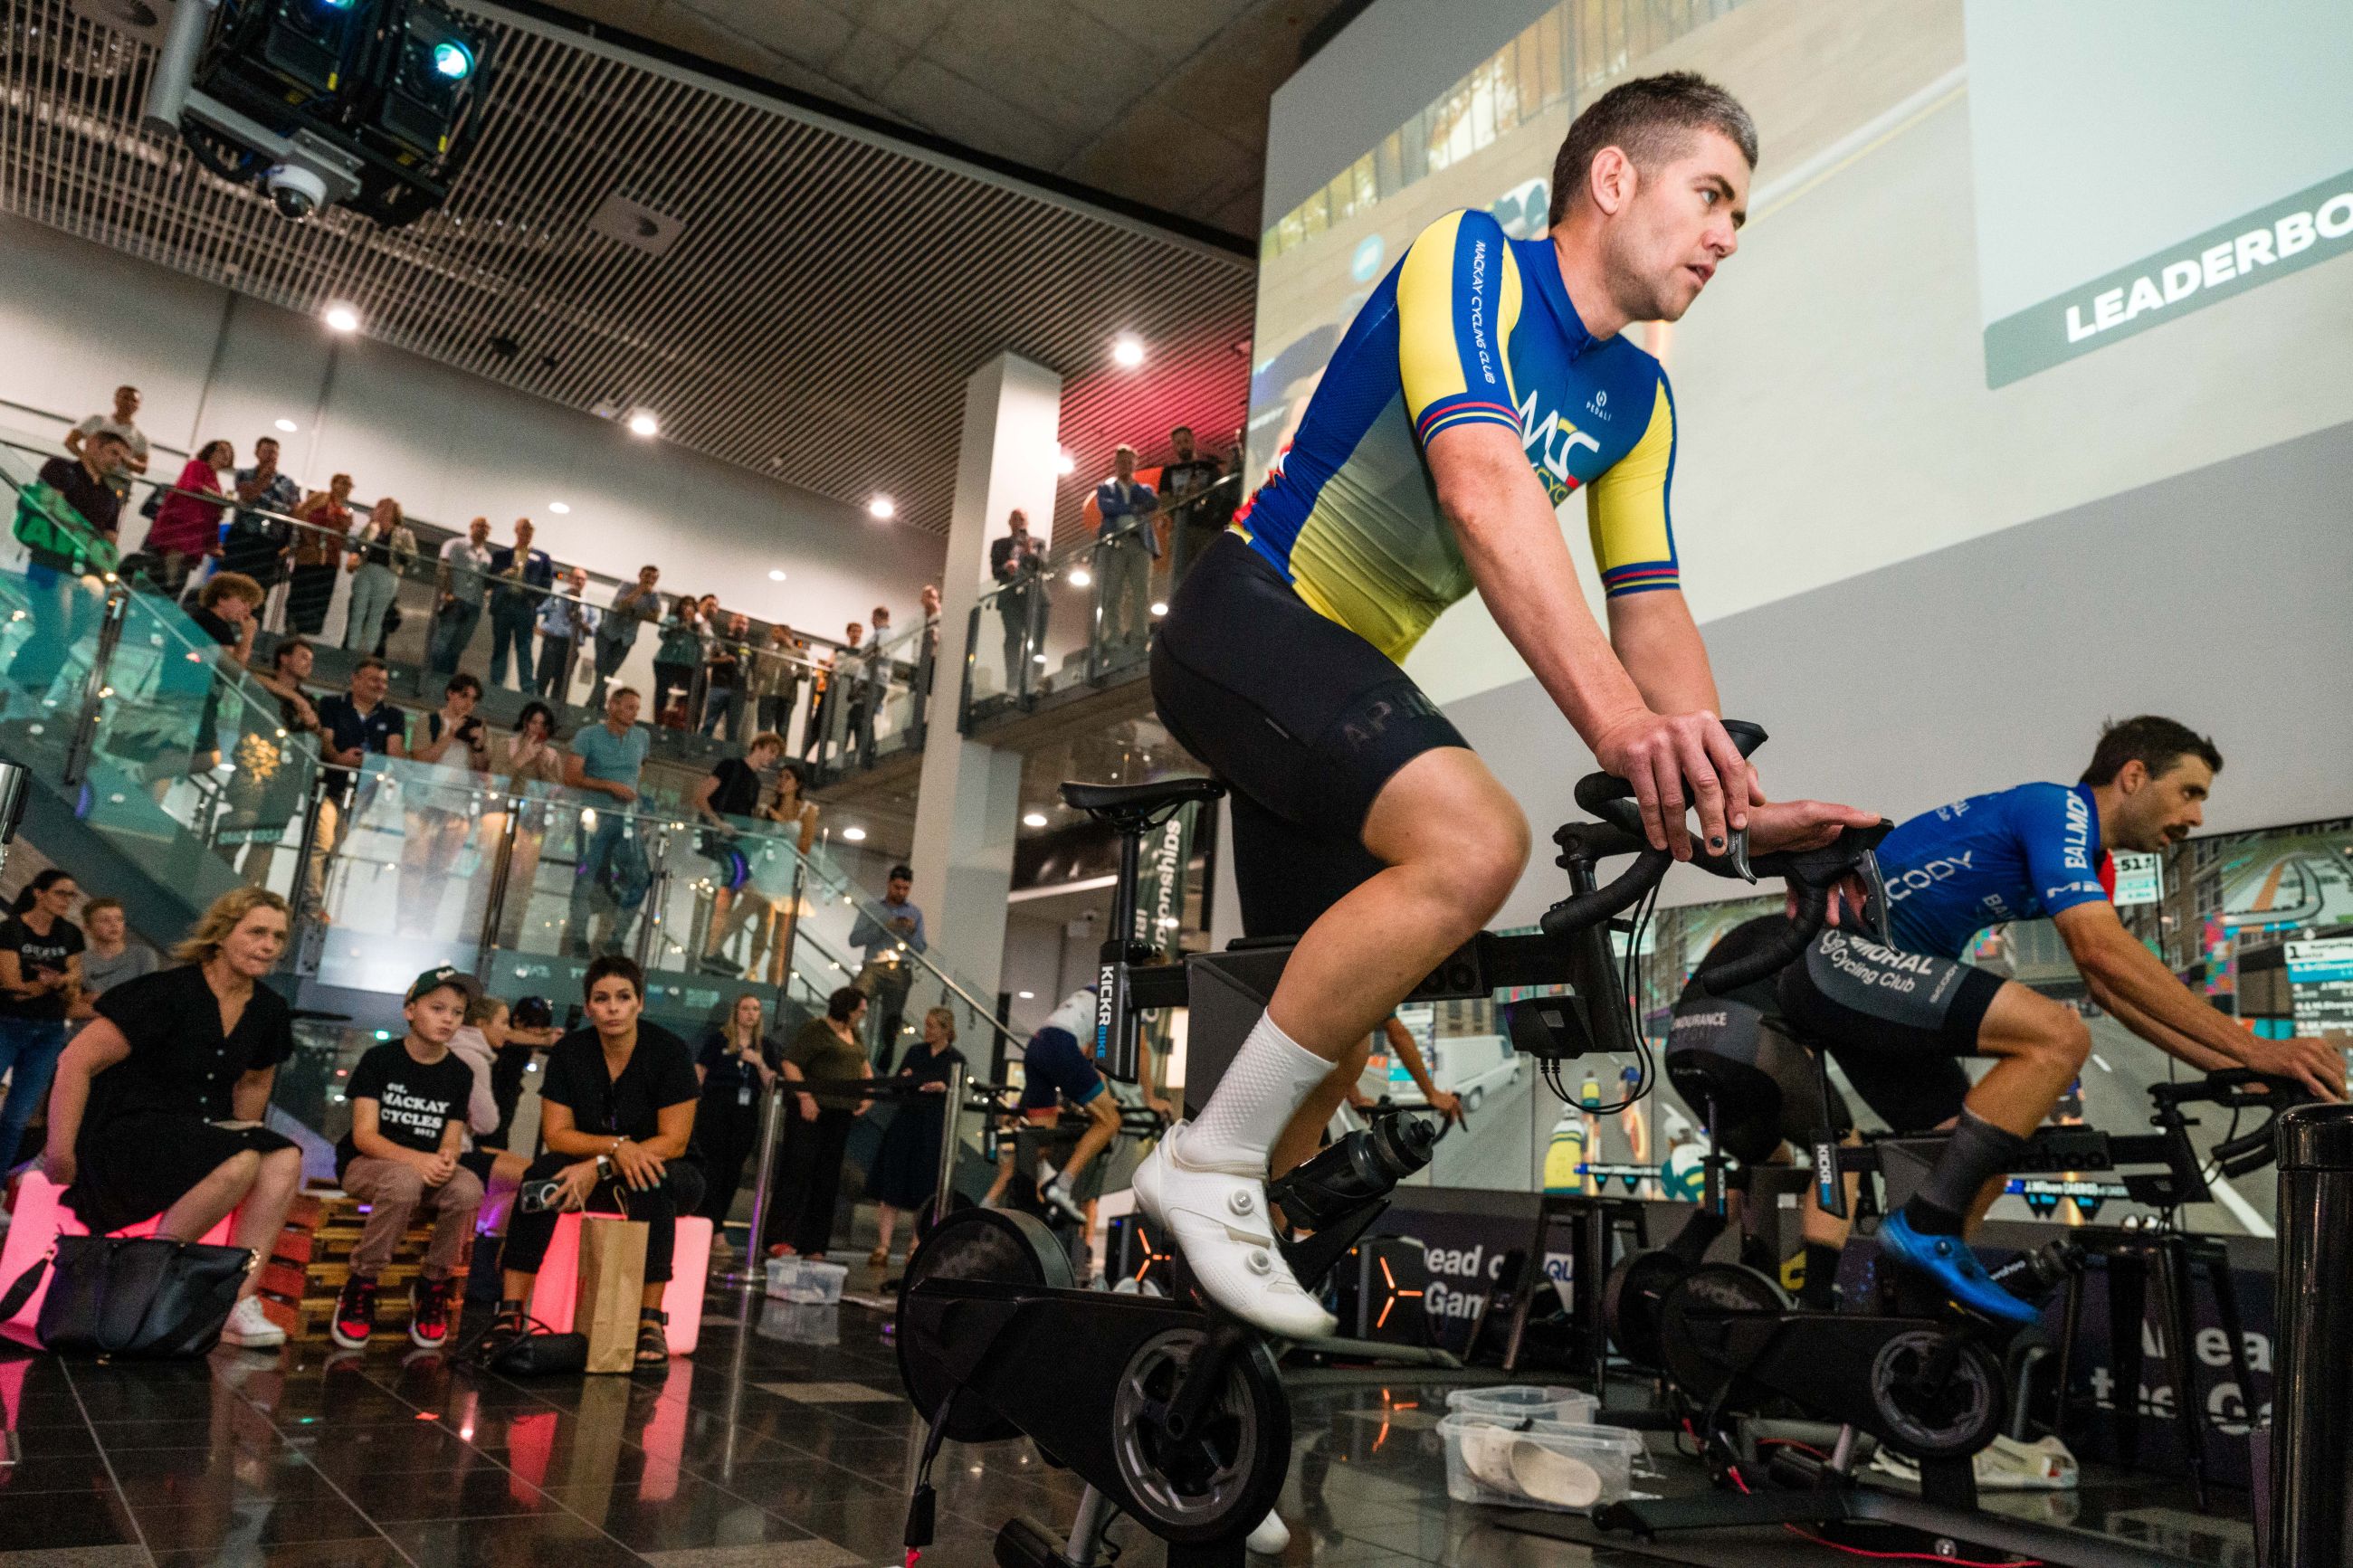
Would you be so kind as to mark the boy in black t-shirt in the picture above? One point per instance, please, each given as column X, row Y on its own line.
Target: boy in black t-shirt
column 732, row 789
column 409, row 1123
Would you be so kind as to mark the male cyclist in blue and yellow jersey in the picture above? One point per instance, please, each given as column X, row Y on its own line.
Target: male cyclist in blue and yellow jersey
column 1484, row 384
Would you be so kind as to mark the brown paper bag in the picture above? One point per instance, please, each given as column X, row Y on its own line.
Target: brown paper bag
column 612, row 1288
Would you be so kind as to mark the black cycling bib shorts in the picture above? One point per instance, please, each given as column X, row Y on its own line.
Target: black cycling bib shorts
column 1301, row 719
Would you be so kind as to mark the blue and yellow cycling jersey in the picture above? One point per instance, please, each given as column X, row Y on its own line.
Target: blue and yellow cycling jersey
column 1469, row 327
column 2018, row 854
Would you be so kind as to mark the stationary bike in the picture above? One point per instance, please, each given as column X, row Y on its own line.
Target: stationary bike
column 1913, row 1373
column 1171, row 1411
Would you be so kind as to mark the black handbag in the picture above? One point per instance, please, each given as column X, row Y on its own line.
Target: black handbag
column 144, row 1297
column 539, row 1351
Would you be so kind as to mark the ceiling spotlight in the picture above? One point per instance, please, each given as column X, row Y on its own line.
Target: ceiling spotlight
column 287, row 425
column 854, row 835
column 1081, row 577
column 643, row 423
column 343, row 319
column 1159, row 608
column 1027, row 995
column 1034, row 819
column 1064, row 463
column 775, row 574
column 558, row 507
column 1127, row 350
column 882, row 508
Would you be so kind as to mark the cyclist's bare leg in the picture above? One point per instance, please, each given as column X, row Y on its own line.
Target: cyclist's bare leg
column 1301, row 1135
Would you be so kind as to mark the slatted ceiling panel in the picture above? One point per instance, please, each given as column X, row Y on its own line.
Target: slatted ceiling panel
column 814, row 322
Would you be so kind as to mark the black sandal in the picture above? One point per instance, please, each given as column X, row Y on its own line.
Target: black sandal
column 653, row 1336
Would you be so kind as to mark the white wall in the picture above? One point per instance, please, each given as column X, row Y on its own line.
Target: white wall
column 76, row 320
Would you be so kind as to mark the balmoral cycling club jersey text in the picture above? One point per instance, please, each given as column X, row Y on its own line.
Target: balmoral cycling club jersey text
column 1469, row 327
column 2019, row 854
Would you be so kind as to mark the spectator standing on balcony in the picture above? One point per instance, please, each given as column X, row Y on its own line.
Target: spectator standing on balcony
column 226, row 612
column 836, row 674
column 1018, row 563
column 1187, row 486
column 521, row 578
column 261, row 534
column 531, row 765
column 774, row 679
column 123, row 425
column 676, row 659
column 187, row 521
column 379, row 556
column 1131, row 544
column 158, row 1105
column 65, row 604
column 731, row 790
column 608, row 759
column 454, row 746
column 776, row 883
column 326, row 519
column 353, row 727
column 886, row 935
column 566, row 622
column 928, row 654
column 616, row 631
column 727, row 676
column 41, row 983
column 291, row 663
column 873, row 689
column 463, row 580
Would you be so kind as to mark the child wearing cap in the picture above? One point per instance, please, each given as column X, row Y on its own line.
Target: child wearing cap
column 409, row 1123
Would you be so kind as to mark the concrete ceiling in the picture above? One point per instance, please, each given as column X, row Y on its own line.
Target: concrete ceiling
column 1162, row 102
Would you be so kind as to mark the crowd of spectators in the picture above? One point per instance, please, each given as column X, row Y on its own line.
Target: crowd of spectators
column 143, row 1091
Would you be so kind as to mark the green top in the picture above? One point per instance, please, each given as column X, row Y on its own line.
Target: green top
column 823, row 1056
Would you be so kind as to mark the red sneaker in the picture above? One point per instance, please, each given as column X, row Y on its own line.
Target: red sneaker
column 354, row 1320
column 428, row 1313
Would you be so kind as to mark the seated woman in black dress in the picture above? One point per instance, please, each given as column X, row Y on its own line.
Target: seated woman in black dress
column 616, row 1112
column 158, row 1104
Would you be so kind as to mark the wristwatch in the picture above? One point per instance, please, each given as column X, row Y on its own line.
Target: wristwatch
column 605, row 1167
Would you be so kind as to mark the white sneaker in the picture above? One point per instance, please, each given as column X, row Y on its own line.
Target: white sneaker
column 1269, row 1537
column 1218, row 1220
column 249, row 1328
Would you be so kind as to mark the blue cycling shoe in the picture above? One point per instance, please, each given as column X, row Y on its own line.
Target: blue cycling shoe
column 1948, row 1260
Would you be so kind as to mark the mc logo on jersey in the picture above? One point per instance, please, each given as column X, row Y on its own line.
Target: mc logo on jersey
column 1549, row 442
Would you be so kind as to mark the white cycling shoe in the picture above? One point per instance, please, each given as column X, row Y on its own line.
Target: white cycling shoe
column 1217, row 1220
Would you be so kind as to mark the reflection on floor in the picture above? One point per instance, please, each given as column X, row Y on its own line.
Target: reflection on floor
column 783, row 1443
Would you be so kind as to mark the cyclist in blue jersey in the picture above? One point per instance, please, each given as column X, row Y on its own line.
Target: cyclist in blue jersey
column 1896, row 1018
column 1484, row 383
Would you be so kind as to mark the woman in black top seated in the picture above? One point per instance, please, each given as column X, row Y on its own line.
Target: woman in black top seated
column 616, row 1112
column 158, row 1103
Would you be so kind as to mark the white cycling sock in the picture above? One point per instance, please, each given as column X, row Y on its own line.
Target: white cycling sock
column 1271, row 1076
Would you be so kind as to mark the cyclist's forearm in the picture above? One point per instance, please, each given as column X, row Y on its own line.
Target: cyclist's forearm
column 1512, row 543
column 2157, row 1033
column 1659, row 646
column 2129, row 978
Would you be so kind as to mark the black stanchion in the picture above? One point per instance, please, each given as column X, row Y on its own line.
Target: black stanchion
column 2310, row 1524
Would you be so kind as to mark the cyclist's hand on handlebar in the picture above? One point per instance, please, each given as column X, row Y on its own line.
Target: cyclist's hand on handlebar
column 1677, row 761
column 2317, row 1065
column 1801, row 825
column 1449, row 1107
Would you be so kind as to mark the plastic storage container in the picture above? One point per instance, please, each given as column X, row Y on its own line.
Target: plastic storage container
column 1556, row 1464
column 1516, row 1401
column 811, row 1284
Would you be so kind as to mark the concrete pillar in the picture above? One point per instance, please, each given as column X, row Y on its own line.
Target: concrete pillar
column 969, row 804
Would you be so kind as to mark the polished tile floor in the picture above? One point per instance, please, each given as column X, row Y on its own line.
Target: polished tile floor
column 782, row 1443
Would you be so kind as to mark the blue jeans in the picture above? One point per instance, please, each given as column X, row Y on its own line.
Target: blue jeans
column 29, row 1048
column 64, row 612
column 721, row 707
column 612, row 873
column 453, row 628
column 374, row 587
column 512, row 620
